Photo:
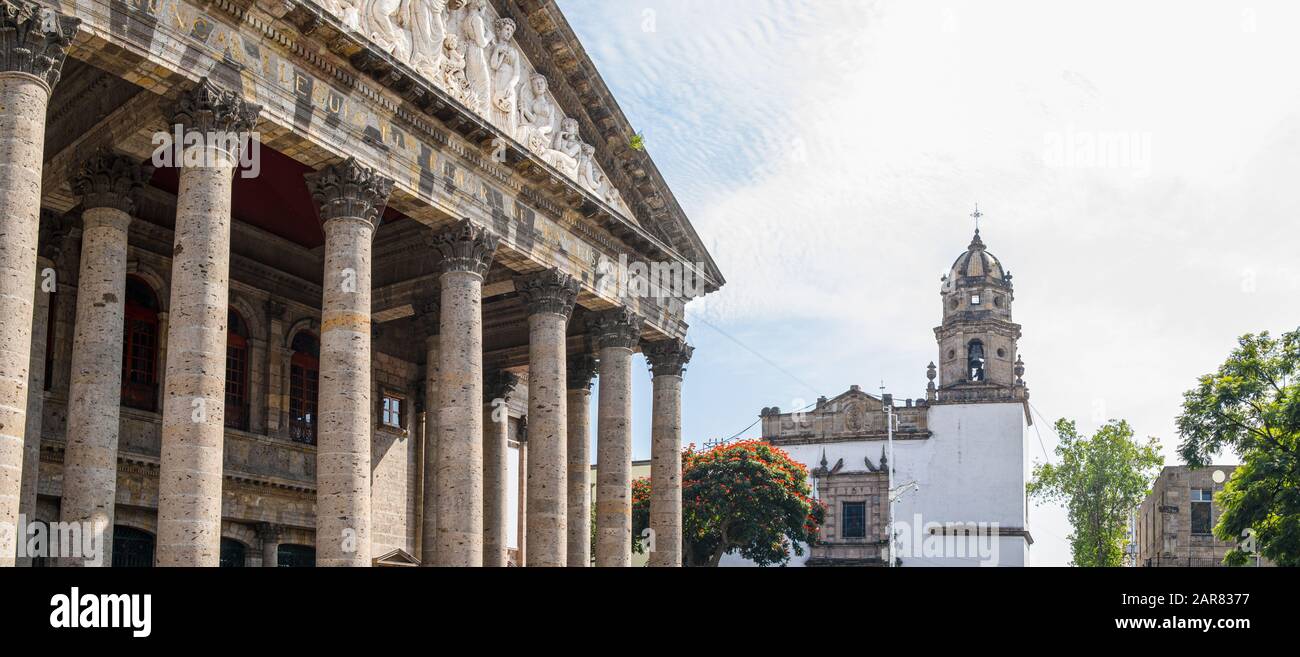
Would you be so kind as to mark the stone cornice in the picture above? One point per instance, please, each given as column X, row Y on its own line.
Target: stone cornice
column 550, row 291
column 667, row 357
column 349, row 190
column 34, row 39
column 107, row 180
column 619, row 327
column 205, row 108
column 467, row 247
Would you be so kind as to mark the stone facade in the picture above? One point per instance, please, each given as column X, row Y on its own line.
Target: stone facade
column 306, row 318
column 1174, row 525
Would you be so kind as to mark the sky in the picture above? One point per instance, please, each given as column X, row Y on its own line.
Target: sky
column 1136, row 165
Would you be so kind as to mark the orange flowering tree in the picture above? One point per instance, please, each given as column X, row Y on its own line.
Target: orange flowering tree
column 747, row 497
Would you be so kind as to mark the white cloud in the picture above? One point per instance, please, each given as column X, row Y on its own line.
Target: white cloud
column 829, row 152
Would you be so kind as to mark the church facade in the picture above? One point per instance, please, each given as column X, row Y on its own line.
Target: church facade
column 331, row 282
column 958, row 454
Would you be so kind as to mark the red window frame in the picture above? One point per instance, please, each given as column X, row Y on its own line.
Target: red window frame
column 140, row 354
column 236, row 374
column 304, row 388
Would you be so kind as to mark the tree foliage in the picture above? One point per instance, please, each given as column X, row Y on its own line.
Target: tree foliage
column 1251, row 405
column 747, row 497
column 1100, row 480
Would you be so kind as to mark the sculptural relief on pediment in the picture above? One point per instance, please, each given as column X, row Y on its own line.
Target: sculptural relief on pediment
column 465, row 49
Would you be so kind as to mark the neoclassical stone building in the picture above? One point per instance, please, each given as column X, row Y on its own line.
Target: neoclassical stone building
column 328, row 282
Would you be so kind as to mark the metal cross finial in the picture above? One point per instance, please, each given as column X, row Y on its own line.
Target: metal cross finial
column 976, row 216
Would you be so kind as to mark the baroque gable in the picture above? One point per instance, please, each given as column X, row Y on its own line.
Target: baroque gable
column 850, row 416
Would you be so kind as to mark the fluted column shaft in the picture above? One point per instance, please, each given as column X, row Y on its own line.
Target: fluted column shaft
column 105, row 184
column 350, row 197
column 466, row 252
column 521, row 516
column 616, row 335
column 550, row 296
column 667, row 360
column 34, row 50
column 429, row 319
column 582, row 369
column 193, row 423
column 270, row 537
column 35, row 395
column 498, row 386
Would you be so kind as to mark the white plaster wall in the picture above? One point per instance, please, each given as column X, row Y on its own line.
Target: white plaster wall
column 972, row 469
column 512, row 503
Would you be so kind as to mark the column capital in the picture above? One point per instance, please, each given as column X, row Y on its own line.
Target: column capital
column 499, row 384
column 549, row 291
column 276, row 309
column 349, row 189
column 207, row 108
column 466, row 247
column 109, row 180
column 267, row 531
column 428, row 311
column 667, row 357
column 619, row 327
column 34, row 39
column 582, row 370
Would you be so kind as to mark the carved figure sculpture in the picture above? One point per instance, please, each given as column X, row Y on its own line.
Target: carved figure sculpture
column 506, row 68
column 536, row 115
column 428, row 31
column 380, row 22
column 476, row 38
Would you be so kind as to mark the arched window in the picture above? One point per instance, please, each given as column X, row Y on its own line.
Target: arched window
column 233, row 554
column 304, row 376
column 140, row 346
column 132, row 548
column 295, row 556
column 975, row 360
column 236, row 372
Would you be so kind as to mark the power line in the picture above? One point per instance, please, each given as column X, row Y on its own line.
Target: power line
column 755, row 352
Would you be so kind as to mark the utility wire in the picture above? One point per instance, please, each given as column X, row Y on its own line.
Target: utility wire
column 765, row 359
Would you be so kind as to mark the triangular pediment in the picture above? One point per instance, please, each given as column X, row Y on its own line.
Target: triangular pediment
column 396, row 558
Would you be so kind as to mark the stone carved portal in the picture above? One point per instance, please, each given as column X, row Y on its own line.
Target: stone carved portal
column 465, row 49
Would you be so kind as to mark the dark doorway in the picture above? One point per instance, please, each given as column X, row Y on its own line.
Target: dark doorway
column 296, row 556
column 132, row 548
column 233, row 554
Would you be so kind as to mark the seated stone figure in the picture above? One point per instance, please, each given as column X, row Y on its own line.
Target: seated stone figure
column 564, row 154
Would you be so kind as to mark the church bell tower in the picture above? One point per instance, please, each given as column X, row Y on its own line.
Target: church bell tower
column 977, row 340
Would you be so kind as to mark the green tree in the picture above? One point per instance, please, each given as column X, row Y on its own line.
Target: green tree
column 1100, row 480
column 747, row 497
column 1251, row 405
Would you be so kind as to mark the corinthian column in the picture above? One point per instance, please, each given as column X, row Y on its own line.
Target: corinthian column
column 582, row 369
column 616, row 333
column 498, row 386
column 106, row 184
column 193, row 424
column 466, row 252
column 550, row 296
column 667, row 360
column 350, row 197
column 428, row 311
column 33, row 44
